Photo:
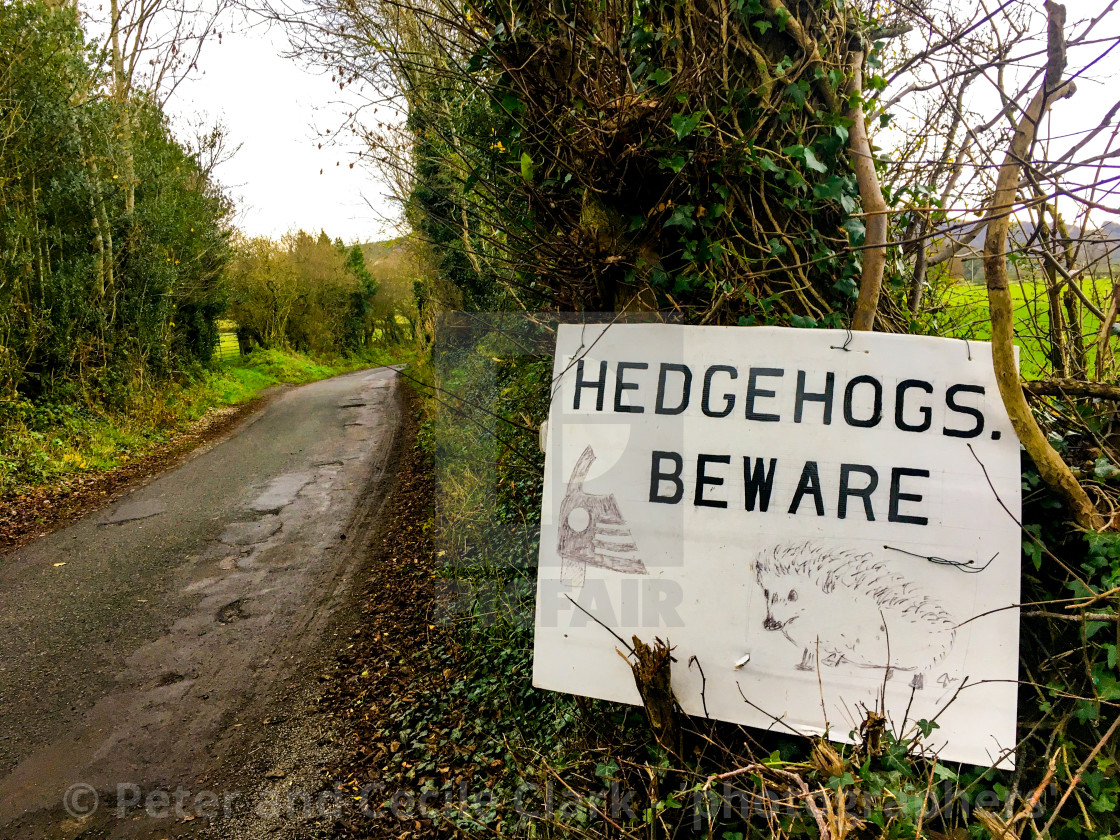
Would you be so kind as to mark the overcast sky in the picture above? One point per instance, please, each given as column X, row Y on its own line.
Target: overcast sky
column 274, row 108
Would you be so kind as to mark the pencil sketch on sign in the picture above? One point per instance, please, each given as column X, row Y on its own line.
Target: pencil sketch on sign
column 592, row 531
column 886, row 622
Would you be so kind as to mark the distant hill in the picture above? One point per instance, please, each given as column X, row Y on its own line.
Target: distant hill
column 386, row 249
column 1102, row 246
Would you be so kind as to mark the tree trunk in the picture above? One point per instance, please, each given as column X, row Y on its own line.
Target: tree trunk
column 121, row 95
column 653, row 677
column 1051, row 467
column 874, row 207
column 918, row 280
column 1056, row 329
column 1105, row 333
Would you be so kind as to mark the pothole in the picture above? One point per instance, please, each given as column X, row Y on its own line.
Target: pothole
column 280, row 492
column 233, row 611
column 250, row 533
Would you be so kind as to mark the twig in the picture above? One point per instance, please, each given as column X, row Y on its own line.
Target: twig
column 1077, row 776
column 1072, row 388
column 579, row 607
column 760, row 709
column 703, row 683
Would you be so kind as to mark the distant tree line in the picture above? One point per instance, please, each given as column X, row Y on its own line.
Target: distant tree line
column 304, row 292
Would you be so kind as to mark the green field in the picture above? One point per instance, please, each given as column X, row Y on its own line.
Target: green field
column 961, row 311
column 227, row 346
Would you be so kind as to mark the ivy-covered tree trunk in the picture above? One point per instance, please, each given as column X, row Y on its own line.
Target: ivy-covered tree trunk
column 680, row 155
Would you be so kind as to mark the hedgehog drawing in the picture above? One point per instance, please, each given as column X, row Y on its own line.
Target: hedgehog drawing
column 885, row 623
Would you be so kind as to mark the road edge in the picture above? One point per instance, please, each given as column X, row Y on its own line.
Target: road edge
column 39, row 513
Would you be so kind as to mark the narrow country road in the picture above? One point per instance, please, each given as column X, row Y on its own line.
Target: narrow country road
column 142, row 647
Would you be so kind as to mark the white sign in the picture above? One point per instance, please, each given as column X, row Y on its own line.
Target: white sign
column 814, row 520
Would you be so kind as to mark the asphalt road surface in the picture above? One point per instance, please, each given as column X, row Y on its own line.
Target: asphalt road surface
column 141, row 648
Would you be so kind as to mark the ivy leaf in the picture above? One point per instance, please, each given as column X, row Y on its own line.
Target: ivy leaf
column 926, row 727
column 660, row 76
column 675, row 163
column 857, row 231
column 1107, row 685
column 684, row 126
column 762, row 25
column 527, row 167
column 813, row 162
column 794, row 179
column 797, row 92
column 846, row 286
column 1091, row 627
column 1086, row 711
column 806, row 154
column 940, row 771
column 1103, row 470
column 682, row 217
column 606, row 769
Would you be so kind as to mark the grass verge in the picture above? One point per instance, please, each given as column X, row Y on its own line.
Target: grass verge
column 51, row 444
